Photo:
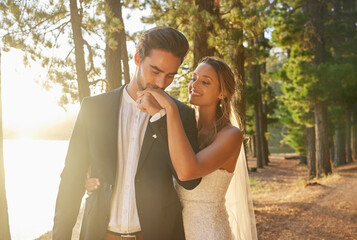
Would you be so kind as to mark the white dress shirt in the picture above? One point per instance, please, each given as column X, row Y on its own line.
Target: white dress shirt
column 132, row 126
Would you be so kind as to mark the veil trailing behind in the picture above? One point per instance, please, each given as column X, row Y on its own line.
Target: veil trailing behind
column 239, row 202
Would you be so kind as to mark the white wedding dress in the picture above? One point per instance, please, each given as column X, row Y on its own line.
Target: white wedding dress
column 204, row 211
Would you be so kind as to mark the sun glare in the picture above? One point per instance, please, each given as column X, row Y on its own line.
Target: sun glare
column 26, row 105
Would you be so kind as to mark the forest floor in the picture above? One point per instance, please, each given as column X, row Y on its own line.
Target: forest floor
column 289, row 206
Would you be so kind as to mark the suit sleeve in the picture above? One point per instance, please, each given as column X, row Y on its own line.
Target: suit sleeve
column 190, row 126
column 71, row 188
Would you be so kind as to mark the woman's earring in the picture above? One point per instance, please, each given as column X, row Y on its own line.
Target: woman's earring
column 221, row 103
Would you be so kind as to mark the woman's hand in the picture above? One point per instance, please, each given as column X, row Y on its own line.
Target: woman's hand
column 160, row 96
column 91, row 185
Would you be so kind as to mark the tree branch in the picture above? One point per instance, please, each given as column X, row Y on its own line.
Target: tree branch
column 90, row 57
column 107, row 84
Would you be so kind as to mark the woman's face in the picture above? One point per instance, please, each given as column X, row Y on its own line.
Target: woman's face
column 204, row 88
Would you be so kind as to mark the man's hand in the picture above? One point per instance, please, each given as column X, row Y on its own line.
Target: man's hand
column 147, row 103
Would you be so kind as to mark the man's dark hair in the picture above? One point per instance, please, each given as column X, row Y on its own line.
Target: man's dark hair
column 164, row 38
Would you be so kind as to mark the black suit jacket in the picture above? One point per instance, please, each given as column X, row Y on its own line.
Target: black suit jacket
column 94, row 143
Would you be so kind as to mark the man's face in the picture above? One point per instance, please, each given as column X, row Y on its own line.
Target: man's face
column 157, row 70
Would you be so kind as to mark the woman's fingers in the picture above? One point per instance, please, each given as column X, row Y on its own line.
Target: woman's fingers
column 91, row 184
column 153, row 91
column 159, row 94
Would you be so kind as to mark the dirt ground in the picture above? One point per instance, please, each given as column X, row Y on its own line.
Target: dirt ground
column 288, row 206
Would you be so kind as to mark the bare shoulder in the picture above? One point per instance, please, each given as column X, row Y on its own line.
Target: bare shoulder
column 230, row 134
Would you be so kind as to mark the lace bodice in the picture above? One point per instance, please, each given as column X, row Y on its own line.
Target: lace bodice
column 204, row 211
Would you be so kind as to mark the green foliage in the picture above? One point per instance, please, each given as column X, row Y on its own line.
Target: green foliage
column 294, row 102
column 235, row 24
column 179, row 88
column 227, row 33
column 340, row 83
column 303, row 82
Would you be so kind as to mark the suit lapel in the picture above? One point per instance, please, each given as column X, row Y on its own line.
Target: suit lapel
column 147, row 143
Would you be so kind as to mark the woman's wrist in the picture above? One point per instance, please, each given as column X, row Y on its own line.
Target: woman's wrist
column 171, row 108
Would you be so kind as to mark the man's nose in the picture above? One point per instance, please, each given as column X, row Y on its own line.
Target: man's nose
column 161, row 82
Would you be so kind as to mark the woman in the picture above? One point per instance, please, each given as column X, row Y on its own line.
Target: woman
column 220, row 207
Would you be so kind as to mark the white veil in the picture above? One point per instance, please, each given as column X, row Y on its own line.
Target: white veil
column 239, row 202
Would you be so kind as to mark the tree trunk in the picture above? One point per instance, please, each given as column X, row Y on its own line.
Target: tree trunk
column 259, row 143
column 303, row 160
column 261, row 115
column 113, row 67
column 311, row 151
column 354, row 135
column 116, row 54
column 265, row 130
column 239, row 99
column 238, row 60
column 82, row 78
column 322, row 146
column 317, row 46
column 339, row 146
column 126, row 68
column 4, row 217
column 265, row 141
column 201, row 47
column 253, row 147
column 348, row 138
column 314, row 8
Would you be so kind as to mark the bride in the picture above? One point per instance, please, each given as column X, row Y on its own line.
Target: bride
column 221, row 206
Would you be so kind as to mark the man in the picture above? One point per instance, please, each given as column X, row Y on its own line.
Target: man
column 127, row 150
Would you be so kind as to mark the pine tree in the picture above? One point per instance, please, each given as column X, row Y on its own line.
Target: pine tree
column 320, row 71
column 289, row 21
column 340, row 72
column 76, row 22
column 116, row 54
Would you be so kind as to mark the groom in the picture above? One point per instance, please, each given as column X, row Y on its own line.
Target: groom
column 127, row 150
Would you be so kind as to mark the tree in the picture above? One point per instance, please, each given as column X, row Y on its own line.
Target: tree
column 298, row 28
column 4, row 217
column 258, row 107
column 320, row 73
column 116, row 54
column 339, row 146
column 316, row 41
column 201, row 47
column 354, row 133
column 340, row 73
column 311, row 150
column 259, row 116
column 82, row 78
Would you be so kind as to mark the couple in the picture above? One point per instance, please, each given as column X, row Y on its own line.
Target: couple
column 140, row 144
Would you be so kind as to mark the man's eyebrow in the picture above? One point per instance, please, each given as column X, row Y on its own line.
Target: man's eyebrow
column 158, row 69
